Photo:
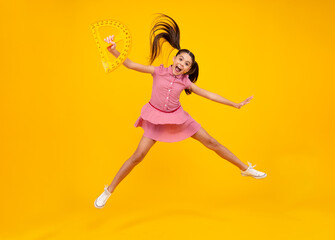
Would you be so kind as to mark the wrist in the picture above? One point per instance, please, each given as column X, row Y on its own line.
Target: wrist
column 113, row 51
column 109, row 48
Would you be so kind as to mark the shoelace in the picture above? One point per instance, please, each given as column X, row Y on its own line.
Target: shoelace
column 106, row 190
column 254, row 170
column 250, row 165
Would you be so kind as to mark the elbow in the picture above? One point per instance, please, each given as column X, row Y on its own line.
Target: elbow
column 128, row 64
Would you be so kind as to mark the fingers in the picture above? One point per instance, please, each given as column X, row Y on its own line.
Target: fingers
column 110, row 40
column 248, row 99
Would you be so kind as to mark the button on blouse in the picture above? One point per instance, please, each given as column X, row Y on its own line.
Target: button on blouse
column 166, row 88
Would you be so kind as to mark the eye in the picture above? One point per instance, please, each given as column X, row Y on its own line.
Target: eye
column 187, row 64
column 180, row 59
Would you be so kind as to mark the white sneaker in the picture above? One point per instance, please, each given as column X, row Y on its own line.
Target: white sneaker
column 253, row 173
column 102, row 199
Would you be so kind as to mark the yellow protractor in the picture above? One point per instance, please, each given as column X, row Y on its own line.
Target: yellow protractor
column 105, row 28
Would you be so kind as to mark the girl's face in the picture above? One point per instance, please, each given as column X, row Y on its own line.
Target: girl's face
column 181, row 63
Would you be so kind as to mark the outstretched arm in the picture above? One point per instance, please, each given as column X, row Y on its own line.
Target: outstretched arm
column 128, row 63
column 216, row 97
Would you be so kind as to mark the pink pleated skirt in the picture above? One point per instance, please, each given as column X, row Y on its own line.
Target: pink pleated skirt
column 166, row 132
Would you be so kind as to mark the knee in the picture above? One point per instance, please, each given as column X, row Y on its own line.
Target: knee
column 212, row 143
column 137, row 157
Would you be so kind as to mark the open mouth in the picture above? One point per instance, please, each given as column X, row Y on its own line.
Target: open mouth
column 178, row 70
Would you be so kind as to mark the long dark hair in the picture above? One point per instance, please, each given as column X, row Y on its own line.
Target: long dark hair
column 169, row 31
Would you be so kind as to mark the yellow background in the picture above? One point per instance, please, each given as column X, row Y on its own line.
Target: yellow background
column 66, row 127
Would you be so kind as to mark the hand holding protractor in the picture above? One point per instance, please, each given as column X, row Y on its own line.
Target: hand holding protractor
column 110, row 40
column 102, row 32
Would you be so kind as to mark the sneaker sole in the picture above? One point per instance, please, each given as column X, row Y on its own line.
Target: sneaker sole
column 260, row 177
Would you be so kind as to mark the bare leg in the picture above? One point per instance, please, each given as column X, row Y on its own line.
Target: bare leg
column 142, row 149
column 207, row 140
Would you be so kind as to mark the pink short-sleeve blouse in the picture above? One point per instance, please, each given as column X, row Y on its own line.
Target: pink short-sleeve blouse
column 163, row 118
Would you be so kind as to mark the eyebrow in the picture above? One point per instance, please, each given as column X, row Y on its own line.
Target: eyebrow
column 186, row 61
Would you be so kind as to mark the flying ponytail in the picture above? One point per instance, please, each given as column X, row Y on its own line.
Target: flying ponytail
column 169, row 31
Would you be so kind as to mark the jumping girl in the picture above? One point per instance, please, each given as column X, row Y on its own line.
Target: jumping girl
column 162, row 118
